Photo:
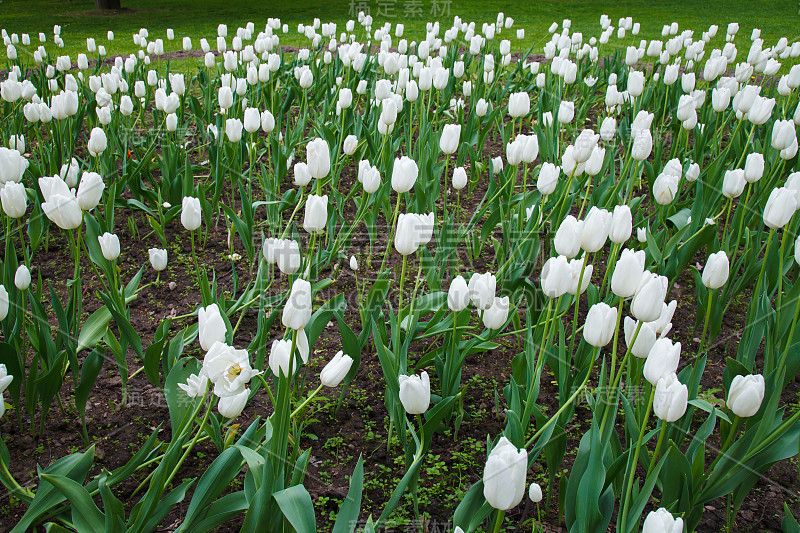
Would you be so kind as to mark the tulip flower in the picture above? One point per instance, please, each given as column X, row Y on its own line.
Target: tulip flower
column 415, row 393
column 584, row 145
column 781, row 206
column 519, row 104
column 458, row 296
column 664, row 322
column 90, row 190
column 252, row 120
column 566, row 112
column 753, row 167
column 497, row 314
column 211, row 326
column 191, row 216
column 195, row 385
column 621, row 224
column 661, row 521
column 336, row 370
column 14, row 199
column 576, row 270
column 556, row 277
column 649, row 298
column 662, row 360
column 318, row 155
column 460, row 179
column 745, row 395
column 158, row 259
column 783, row 134
column 404, row 174
column 287, row 255
column 601, row 321
column 627, row 273
column 482, row 289
column 665, row 187
column 228, row 369
column 302, row 177
column 3, row 303
column 233, row 129
column 232, row 406
column 22, row 278
column 5, row 378
column 568, row 237
column 350, row 144
column 595, row 231
column 353, row 263
column 279, row 357
column 297, row 310
column 316, row 215
column 670, row 399
column 267, row 121
column 109, row 245
column 451, row 135
column 733, row 183
column 642, row 145
column 60, row 204
column 716, row 271
column 608, row 128
column 97, row 142
column 504, row 475
column 548, row 179
column 693, row 172
column 406, row 237
column 535, row 493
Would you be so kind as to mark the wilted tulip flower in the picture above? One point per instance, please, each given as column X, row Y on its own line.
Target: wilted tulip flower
column 14, row 199
column 567, row 240
column 158, row 259
column 318, row 156
column 336, row 369
column 497, row 314
column 90, row 190
column 716, row 271
column 627, row 273
column 649, row 298
column 781, row 206
column 60, row 204
column 661, row 521
column 22, row 278
column 548, row 178
column 109, row 245
column 753, row 167
column 504, row 475
column 211, row 327
column 458, row 296
column 451, row 135
column 191, row 215
column 316, row 215
column 745, row 395
column 97, row 142
column 297, row 309
column 482, row 289
column 556, row 277
column 601, row 321
column 415, row 393
column 232, row 406
column 670, row 399
column 733, row 183
column 595, row 229
column 404, row 174
column 519, row 104
column 662, row 360
column 3, row 306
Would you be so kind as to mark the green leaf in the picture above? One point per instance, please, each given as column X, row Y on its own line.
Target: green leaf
column 86, row 517
column 93, row 329
column 296, row 506
column 351, row 506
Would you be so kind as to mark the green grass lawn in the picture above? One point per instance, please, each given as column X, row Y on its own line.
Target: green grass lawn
column 199, row 18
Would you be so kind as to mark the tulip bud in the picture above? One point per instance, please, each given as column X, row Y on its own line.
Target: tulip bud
column 297, row 309
column 754, row 167
column 621, row 224
column 233, row 130
column 97, row 142
column 191, row 215
column 459, row 178
column 661, row 521
column 716, row 271
column 746, row 395
column 109, row 245
column 336, row 370
column 252, row 120
column 415, row 393
column 733, row 183
column 519, row 104
column 535, row 493
column 665, row 187
column 232, row 406
column 353, row 263
column 504, row 475
column 568, row 237
column 158, row 259
column 566, row 112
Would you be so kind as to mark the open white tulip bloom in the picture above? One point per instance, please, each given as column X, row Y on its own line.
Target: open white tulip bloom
column 661, row 521
column 336, row 369
column 504, row 475
column 228, row 369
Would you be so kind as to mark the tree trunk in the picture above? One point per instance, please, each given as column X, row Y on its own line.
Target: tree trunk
column 106, row 4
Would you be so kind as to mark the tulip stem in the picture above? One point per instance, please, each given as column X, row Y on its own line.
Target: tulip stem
column 618, row 376
column 727, row 443
column 305, row 402
column 612, row 262
column 15, row 488
column 194, row 259
column 391, row 233
column 189, row 449
column 629, row 484
column 705, row 322
column 586, row 257
column 400, row 295
column 499, row 520
column 661, row 435
column 780, row 280
column 616, row 337
column 269, row 391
